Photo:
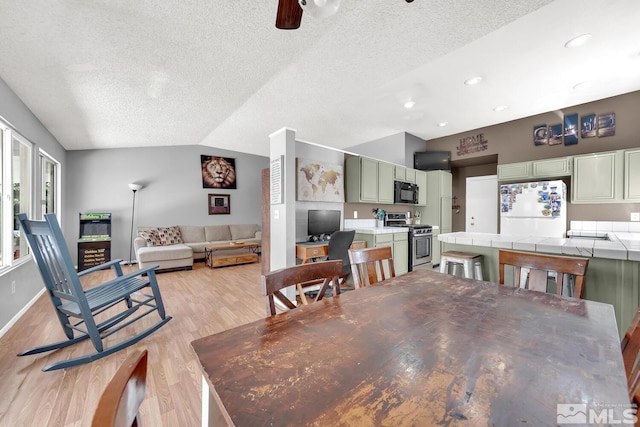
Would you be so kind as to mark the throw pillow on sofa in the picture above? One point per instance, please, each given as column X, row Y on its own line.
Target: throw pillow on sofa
column 169, row 235
column 151, row 236
column 162, row 236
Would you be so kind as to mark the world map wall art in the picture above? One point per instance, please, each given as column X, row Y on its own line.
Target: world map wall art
column 319, row 181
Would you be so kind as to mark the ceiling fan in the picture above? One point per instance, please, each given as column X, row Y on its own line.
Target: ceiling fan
column 289, row 13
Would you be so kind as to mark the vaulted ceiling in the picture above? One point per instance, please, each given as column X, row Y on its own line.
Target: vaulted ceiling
column 115, row 73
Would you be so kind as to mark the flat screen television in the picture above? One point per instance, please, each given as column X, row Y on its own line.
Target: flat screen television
column 322, row 223
column 432, row 160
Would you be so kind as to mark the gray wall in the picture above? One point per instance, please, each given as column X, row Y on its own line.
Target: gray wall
column 397, row 148
column 172, row 194
column 26, row 276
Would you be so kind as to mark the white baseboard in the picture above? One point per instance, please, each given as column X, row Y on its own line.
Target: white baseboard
column 15, row 318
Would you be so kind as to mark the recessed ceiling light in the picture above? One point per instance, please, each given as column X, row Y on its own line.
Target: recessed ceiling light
column 578, row 41
column 581, row 85
column 409, row 104
column 473, row 81
column 443, row 124
column 500, row 108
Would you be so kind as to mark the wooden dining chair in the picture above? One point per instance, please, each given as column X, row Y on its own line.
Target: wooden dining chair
column 532, row 271
column 120, row 402
column 630, row 346
column 323, row 273
column 368, row 265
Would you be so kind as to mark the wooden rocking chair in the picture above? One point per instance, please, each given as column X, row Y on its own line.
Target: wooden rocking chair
column 77, row 308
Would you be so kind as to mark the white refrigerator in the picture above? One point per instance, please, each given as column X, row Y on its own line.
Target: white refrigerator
column 534, row 209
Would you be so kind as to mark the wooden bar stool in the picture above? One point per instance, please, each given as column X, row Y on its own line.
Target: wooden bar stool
column 471, row 264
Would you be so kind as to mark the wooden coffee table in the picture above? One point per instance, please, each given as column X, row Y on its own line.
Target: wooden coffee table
column 225, row 259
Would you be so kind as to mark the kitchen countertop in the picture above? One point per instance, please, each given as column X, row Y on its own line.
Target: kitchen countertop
column 381, row 230
column 620, row 245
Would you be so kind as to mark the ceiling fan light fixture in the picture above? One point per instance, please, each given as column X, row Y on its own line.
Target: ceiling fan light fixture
column 289, row 15
column 409, row 104
column 319, row 8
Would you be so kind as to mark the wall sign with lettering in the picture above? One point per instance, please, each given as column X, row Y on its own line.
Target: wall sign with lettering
column 472, row 144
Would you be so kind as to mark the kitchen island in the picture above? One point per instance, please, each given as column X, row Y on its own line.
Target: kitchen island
column 613, row 275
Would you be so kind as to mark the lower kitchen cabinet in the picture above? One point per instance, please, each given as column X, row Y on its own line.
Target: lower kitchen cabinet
column 401, row 253
column 399, row 243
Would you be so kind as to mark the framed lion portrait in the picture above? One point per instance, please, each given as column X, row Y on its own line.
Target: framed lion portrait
column 218, row 172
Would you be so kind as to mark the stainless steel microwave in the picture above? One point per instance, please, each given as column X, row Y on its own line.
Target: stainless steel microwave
column 405, row 192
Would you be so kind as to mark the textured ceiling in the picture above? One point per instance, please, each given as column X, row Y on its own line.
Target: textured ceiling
column 115, row 73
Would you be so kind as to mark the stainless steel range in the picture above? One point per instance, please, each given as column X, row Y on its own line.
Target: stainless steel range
column 420, row 238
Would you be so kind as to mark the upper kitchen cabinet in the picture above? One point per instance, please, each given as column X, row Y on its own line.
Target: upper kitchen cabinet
column 552, row 168
column 385, row 183
column 514, row 171
column 368, row 181
column 537, row 169
column 421, row 182
column 404, row 174
column 598, row 178
column 632, row 175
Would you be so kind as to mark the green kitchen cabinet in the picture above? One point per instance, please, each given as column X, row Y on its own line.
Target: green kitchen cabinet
column 552, row 168
column 399, row 243
column 632, row 176
column 598, row 178
column 368, row 181
column 421, row 182
column 514, row 171
column 385, row 183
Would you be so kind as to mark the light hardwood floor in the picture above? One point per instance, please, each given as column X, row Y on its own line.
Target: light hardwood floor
column 202, row 302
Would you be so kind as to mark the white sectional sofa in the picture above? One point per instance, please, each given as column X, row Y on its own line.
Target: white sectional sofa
column 176, row 247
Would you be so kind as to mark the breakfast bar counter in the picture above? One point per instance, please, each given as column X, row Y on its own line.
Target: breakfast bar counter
column 613, row 275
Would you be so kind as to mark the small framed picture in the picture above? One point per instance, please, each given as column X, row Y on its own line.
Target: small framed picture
column 570, row 129
column 540, row 136
column 588, row 126
column 607, row 124
column 219, row 204
column 555, row 134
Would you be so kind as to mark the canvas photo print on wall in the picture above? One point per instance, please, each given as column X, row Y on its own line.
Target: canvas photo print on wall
column 319, row 181
column 218, row 172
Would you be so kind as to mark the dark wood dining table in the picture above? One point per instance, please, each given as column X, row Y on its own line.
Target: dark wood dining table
column 420, row 349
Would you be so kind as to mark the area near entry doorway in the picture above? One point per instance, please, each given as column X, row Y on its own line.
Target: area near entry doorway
column 482, row 204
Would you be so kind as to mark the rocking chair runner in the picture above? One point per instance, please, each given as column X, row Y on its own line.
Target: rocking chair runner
column 74, row 304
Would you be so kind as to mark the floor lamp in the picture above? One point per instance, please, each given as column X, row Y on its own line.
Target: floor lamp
column 134, row 187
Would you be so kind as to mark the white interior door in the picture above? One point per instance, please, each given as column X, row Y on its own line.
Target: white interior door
column 482, row 204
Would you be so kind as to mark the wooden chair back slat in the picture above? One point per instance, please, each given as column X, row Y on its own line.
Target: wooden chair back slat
column 325, row 272
column 368, row 265
column 120, row 402
column 539, row 266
